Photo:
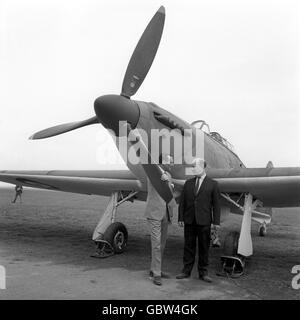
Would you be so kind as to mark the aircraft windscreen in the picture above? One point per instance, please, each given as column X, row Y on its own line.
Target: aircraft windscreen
column 202, row 125
column 216, row 136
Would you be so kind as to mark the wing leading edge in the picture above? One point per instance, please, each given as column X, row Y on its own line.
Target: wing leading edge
column 83, row 182
column 275, row 187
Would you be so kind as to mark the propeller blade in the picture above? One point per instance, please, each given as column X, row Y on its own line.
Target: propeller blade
column 143, row 55
column 62, row 128
column 153, row 171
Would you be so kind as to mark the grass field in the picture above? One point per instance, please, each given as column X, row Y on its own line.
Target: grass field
column 45, row 246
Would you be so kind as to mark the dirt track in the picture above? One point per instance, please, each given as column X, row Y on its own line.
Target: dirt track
column 45, row 246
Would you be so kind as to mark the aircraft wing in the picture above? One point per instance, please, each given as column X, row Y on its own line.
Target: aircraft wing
column 275, row 187
column 84, row 182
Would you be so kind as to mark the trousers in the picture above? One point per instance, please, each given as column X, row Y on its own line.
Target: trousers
column 194, row 233
column 158, row 234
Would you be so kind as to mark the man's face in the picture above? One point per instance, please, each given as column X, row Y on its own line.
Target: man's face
column 198, row 167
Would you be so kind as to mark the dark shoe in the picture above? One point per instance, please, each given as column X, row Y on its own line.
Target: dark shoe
column 157, row 280
column 182, row 275
column 205, row 278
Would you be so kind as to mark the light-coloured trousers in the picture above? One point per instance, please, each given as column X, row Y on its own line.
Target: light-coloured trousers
column 158, row 235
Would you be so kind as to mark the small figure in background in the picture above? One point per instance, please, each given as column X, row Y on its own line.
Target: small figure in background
column 19, row 191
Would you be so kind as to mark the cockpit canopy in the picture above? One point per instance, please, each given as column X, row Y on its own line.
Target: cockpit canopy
column 202, row 125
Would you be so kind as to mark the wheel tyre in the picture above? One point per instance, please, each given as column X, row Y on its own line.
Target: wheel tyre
column 116, row 234
column 262, row 231
column 231, row 243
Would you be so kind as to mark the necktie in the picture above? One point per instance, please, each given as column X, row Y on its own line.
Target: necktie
column 197, row 184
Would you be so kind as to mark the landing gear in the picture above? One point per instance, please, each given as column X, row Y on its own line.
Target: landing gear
column 262, row 230
column 111, row 237
column 233, row 264
column 231, row 243
column 238, row 246
column 114, row 241
column 117, row 235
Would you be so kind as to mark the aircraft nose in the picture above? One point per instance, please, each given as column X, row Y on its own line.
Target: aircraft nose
column 110, row 109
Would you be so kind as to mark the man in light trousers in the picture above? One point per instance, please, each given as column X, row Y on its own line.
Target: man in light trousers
column 158, row 215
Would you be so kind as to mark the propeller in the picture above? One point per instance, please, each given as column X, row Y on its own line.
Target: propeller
column 110, row 109
column 62, row 128
column 144, row 54
column 153, row 170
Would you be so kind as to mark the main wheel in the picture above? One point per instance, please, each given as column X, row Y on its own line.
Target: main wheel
column 116, row 234
column 262, row 230
column 231, row 243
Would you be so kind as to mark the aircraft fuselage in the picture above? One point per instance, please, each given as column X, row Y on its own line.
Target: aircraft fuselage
column 152, row 117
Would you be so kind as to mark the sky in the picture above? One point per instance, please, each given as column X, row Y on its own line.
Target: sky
column 234, row 64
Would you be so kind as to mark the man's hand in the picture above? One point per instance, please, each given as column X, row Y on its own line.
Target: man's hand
column 181, row 223
column 164, row 177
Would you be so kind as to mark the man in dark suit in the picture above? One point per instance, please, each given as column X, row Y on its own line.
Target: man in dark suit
column 198, row 209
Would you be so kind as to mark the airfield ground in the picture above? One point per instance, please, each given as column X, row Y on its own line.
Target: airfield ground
column 45, row 246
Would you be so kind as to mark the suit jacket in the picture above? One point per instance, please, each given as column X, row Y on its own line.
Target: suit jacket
column 156, row 207
column 204, row 207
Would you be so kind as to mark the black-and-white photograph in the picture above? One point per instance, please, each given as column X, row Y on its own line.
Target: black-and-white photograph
column 149, row 150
